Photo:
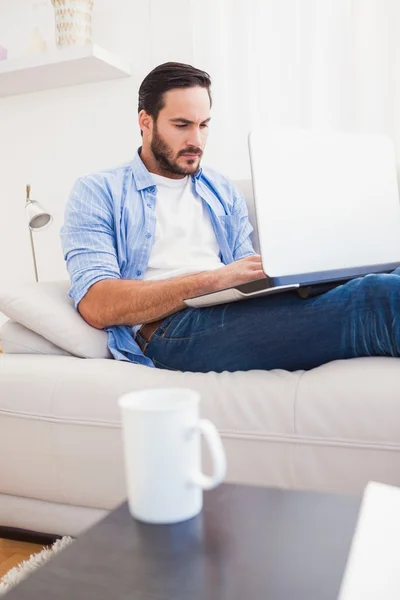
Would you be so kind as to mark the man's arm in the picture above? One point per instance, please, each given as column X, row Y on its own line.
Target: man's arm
column 125, row 302
column 88, row 238
column 101, row 296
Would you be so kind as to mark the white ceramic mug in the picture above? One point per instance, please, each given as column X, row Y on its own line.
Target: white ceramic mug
column 161, row 433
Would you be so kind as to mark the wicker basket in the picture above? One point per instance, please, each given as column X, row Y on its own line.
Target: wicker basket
column 73, row 20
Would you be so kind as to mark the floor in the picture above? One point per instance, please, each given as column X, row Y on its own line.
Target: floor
column 12, row 553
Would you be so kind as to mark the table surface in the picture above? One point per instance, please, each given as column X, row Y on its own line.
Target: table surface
column 249, row 543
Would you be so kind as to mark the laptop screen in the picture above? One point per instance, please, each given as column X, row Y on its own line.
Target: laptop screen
column 324, row 200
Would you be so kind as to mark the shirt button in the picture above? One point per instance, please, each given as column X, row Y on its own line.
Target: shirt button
column 148, row 235
column 149, row 205
column 152, row 190
column 138, row 273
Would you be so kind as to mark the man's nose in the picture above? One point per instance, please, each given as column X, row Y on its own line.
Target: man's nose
column 194, row 138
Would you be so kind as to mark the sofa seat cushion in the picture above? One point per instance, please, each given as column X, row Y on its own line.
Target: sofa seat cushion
column 331, row 429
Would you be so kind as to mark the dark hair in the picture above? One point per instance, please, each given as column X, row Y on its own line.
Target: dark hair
column 169, row 76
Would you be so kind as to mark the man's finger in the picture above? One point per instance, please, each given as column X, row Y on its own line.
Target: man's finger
column 257, row 265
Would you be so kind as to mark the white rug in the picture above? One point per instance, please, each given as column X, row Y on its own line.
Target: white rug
column 26, row 567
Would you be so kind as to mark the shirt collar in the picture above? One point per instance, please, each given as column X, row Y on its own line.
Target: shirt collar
column 143, row 177
column 198, row 173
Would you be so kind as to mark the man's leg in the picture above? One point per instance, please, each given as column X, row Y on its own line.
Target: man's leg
column 360, row 318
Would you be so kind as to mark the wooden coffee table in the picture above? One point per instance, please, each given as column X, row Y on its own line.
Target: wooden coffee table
column 248, row 544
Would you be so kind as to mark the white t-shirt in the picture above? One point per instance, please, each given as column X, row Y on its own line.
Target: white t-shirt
column 185, row 241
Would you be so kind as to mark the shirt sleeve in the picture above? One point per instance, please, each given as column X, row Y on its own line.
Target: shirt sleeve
column 88, row 238
column 243, row 245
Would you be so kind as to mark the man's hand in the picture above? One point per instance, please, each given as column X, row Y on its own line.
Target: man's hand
column 127, row 302
column 241, row 271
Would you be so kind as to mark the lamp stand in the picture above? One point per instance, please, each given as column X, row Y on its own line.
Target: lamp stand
column 34, row 256
column 28, row 191
column 38, row 219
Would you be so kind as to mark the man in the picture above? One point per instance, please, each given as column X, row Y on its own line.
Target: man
column 140, row 238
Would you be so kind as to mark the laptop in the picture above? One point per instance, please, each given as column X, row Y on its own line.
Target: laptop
column 327, row 211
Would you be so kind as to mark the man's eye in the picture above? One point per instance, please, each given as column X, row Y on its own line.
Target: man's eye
column 204, row 125
column 181, row 126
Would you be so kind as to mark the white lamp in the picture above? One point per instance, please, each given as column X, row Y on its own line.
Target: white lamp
column 38, row 219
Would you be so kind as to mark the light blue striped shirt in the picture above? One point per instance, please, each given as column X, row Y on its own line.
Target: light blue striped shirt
column 109, row 230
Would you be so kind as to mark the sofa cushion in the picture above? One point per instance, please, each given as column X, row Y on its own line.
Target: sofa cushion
column 17, row 339
column 46, row 309
column 333, row 428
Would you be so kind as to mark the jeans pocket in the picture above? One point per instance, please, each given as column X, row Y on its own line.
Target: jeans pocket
column 160, row 365
column 173, row 330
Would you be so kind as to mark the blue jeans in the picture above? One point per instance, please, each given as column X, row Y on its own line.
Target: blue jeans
column 359, row 318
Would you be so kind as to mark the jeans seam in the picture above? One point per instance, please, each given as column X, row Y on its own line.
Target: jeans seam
column 164, row 330
column 167, row 339
column 192, row 335
column 157, row 362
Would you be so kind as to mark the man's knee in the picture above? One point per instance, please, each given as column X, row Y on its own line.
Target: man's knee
column 380, row 289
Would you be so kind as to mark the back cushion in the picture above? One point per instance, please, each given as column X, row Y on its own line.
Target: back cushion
column 46, row 309
column 17, row 339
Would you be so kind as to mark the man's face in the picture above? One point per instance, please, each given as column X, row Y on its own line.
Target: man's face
column 180, row 133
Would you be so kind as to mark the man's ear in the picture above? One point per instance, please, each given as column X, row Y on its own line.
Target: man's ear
column 145, row 122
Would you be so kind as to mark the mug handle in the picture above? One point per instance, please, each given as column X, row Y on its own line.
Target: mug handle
column 217, row 452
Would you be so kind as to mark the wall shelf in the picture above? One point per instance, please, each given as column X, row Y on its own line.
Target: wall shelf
column 59, row 68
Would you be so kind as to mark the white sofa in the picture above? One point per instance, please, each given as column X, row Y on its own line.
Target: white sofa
column 333, row 428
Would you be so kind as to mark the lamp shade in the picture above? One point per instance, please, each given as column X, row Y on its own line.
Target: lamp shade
column 37, row 216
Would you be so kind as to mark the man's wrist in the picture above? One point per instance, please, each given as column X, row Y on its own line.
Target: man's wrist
column 215, row 280
column 212, row 281
column 201, row 283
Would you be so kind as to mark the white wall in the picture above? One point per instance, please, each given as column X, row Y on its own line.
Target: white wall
column 268, row 59
column 50, row 138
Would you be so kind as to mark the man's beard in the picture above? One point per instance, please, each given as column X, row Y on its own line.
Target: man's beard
column 165, row 156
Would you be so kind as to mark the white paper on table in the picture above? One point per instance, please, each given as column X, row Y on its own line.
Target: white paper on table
column 373, row 566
